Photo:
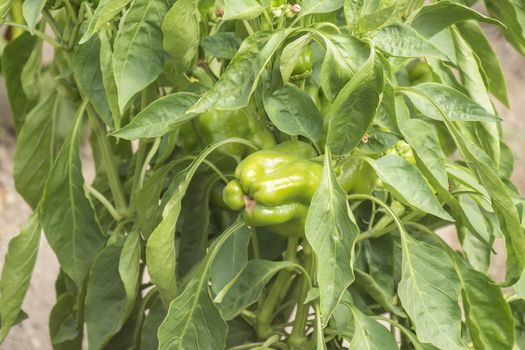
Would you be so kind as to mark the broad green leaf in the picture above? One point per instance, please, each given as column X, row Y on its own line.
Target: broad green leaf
column 31, row 73
column 35, row 150
column 16, row 272
column 401, row 40
column 370, row 334
column 86, row 65
column 138, row 57
column 429, row 292
column 489, row 318
column 489, row 62
column 309, row 7
column 156, row 314
column 160, row 117
column 108, row 78
column 231, row 259
column 5, row 7
column 294, row 112
column 486, row 135
column 291, row 55
column 63, row 329
column 354, row 108
column 14, row 57
column 244, row 9
column 160, row 247
column 193, row 320
column 345, row 55
column 106, row 11
column 239, row 332
column 377, row 291
column 222, row 45
column 435, row 17
column 31, row 9
column 423, row 138
column 129, row 268
column 331, row 231
column 456, row 105
column 477, row 253
column 239, row 81
column 66, row 214
column 247, row 286
column 407, row 183
column 181, row 33
column 106, row 304
column 486, row 172
column 194, row 224
column 512, row 13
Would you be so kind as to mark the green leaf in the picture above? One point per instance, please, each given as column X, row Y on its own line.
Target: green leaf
column 16, row 272
column 129, row 268
column 484, row 134
column 239, row 81
column 485, row 170
column 370, row 334
column 86, row 65
column 193, row 321
column 5, row 7
column 291, row 55
column 354, row 108
column 63, row 330
column 14, row 57
column 222, row 45
column 106, row 11
column 309, row 7
column 294, row 112
column 401, row 40
column 160, row 117
column 377, row 291
column 31, row 73
column 194, row 223
column 160, row 247
column 244, row 9
column 512, row 13
column 345, row 55
column 108, row 78
column 489, row 318
column 138, row 57
column 429, row 292
column 435, row 17
column 456, row 105
column 247, row 286
column 35, row 150
column 231, row 259
column 331, row 231
column 31, row 9
column 423, row 138
column 407, row 183
column 106, row 304
column 67, row 217
column 156, row 314
column 181, row 33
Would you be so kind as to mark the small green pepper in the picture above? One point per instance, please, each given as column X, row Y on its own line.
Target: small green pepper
column 275, row 187
column 304, row 64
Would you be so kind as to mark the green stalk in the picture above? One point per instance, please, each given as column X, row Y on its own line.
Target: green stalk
column 298, row 336
column 109, row 165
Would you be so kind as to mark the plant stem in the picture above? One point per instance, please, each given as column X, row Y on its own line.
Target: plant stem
column 52, row 24
column 109, row 165
column 148, row 159
column 105, row 202
column 298, row 336
column 255, row 244
column 38, row 33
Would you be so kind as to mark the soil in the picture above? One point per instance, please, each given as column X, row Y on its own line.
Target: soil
column 32, row 334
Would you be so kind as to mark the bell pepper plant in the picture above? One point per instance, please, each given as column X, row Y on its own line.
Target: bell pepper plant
column 268, row 174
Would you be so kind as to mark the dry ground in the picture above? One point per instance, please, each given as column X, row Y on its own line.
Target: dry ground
column 32, row 334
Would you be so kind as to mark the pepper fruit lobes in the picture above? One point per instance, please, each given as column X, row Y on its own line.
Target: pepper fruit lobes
column 275, row 187
column 215, row 125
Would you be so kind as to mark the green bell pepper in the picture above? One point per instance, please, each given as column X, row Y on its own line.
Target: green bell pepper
column 214, row 126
